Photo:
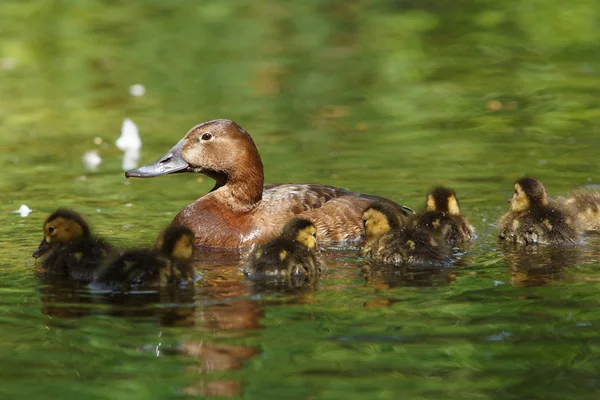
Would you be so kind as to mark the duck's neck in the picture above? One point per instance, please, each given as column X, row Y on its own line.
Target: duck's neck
column 241, row 190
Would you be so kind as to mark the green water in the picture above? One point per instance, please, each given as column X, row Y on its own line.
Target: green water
column 384, row 97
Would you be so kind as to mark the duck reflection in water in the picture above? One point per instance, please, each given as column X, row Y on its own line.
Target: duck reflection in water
column 539, row 265
column 389, row 276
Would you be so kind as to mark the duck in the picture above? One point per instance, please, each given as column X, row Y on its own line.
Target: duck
column 293, row 254
column 586, row 204
column 442, row 214
column 533, row 219
column 240, row 210
column 68, row 250
column 387, row 241
column 169, row 262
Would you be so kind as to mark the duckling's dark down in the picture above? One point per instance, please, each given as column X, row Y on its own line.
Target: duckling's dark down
column 169, row 262
column 533, row 219
column 442, row 215
column 387, row 242
column 68, row 249
column 292, row 254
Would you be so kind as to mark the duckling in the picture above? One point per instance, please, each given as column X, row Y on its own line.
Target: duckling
column 388, row 242
column 586, row 204
column 292, row 254
column 169, row 261
column 533, row 219
column 69, row 250
column 442, row 215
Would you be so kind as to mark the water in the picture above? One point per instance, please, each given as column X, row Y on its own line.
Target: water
column 385, row 97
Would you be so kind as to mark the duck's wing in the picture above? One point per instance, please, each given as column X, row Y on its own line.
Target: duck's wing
column 312, row 196
column 337, row 213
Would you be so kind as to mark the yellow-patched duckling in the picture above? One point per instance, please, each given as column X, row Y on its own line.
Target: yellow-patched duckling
column 169, row 262
column 442, row 215
column 388, row 242
column 292, row 254
column 69, row 250
column 585, row 203
column 533, row 219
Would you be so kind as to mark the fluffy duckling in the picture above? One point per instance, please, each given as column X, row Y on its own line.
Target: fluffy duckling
column 533, row 219
column 442, row 215
column 585, row 203
column 69, row 250
column 168, row 262
column 388, row 242
column 292, row 254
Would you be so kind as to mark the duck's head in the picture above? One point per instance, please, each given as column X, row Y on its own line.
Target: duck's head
column 221, row 149
column 176, row 242
column 62, row 227
column 379, row 219
column 303, row 231
column 529, row 192
column 442, row 199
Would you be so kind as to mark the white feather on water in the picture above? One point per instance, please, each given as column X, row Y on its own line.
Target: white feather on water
column 130, row 143
column 23, row 210
column 91, row 160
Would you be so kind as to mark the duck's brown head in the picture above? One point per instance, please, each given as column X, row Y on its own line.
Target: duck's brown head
column 302, row 230
column 529, row 192
column 221, row 149
column 442, row 199
column 176, row 242
column 379, row 219
column 62, row 227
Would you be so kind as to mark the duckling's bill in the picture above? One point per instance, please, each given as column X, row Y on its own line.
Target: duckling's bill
column 42, row 249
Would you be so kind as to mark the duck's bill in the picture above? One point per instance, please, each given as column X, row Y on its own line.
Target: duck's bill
column 41, row 250
column 170, row 163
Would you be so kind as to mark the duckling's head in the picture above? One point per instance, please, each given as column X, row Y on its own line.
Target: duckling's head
column 528, row 192
column 176, row 242
column 301, row 230
column 62, row 227
column 379, row 219
column 442, row 199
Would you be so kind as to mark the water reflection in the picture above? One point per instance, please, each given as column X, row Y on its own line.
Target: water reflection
column 218, row 309
column 539, row 265
column 389, row 276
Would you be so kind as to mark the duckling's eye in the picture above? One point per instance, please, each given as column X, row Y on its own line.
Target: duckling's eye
column 207, row 136
column 314, row 235
column 51, row 230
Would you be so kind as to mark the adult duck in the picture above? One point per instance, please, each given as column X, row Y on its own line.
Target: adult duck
column 240, row 210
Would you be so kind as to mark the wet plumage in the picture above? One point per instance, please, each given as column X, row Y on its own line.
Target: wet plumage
column 68, row 250
column 585, row 203
column 169, row 262
column 292, row 254
column 442, row 215
column 389, row 242
column 533, row 219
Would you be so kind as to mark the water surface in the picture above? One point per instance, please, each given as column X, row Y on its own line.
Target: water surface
column 382, row 97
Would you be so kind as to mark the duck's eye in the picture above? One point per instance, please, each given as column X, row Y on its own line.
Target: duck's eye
column 51, row 230
column 207, row 136
column 314, row 235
